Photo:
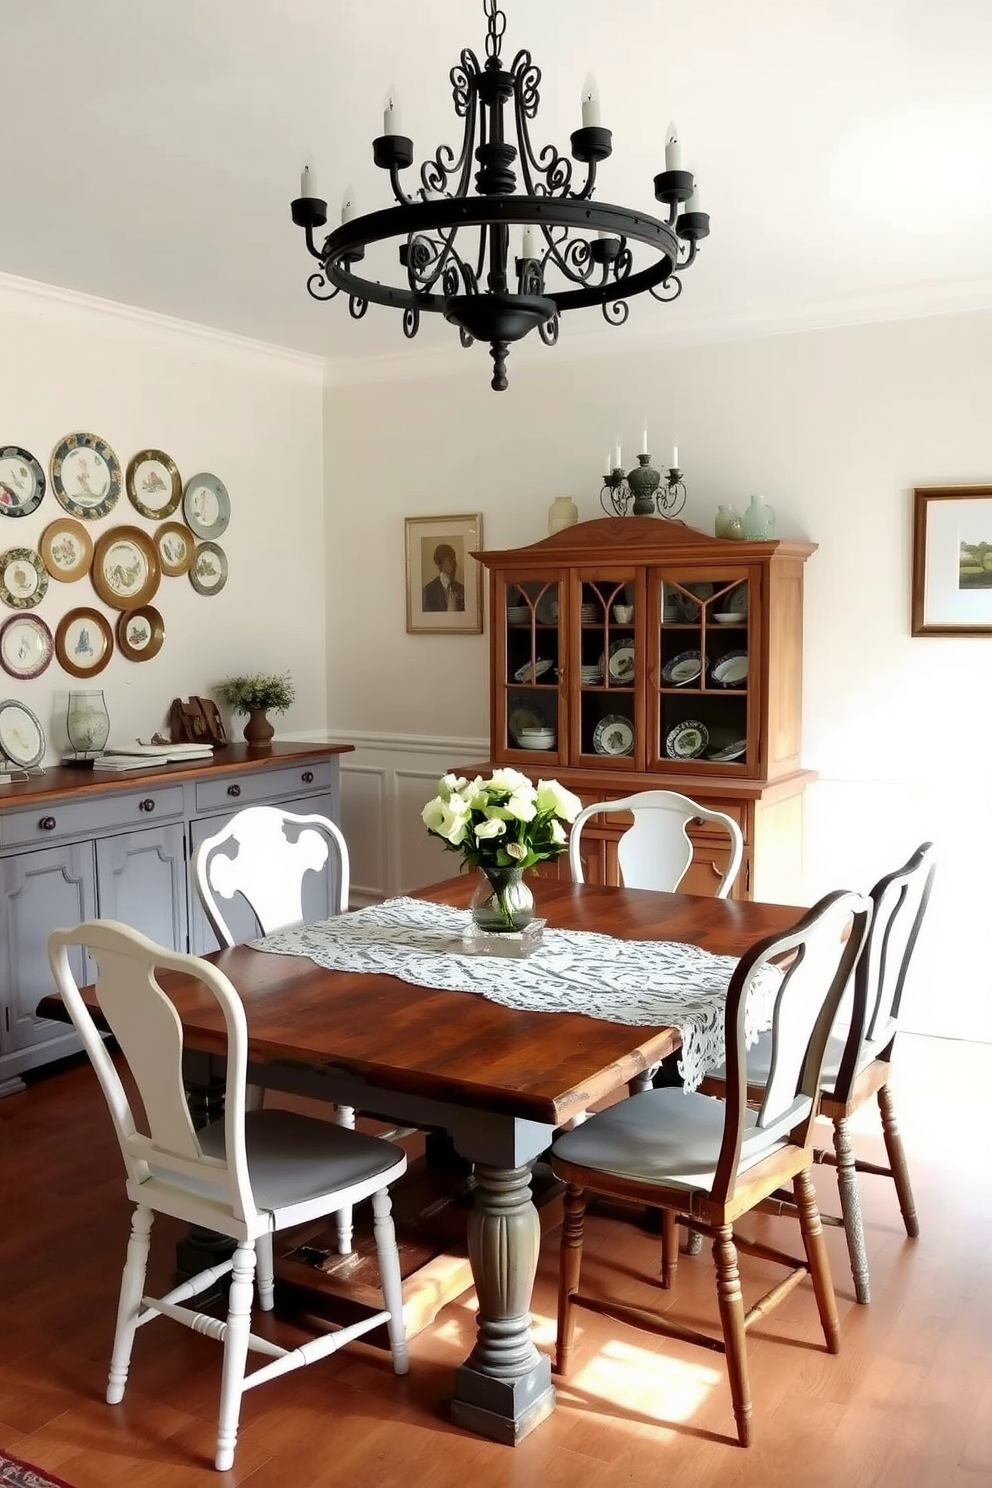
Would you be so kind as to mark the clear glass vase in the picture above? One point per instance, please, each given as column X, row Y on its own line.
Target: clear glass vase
column 502, row 901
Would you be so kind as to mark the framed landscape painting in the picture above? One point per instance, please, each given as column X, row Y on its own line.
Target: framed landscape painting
column 443, row 586
column 952, row 561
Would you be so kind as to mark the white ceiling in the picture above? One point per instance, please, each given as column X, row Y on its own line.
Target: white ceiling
column 151, row 147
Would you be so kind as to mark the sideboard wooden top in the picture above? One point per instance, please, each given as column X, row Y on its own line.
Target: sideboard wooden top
column 63, row 780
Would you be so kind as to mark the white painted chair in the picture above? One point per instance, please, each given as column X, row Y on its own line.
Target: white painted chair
column 656, row 850
column 264, row 854
column 248, row 1176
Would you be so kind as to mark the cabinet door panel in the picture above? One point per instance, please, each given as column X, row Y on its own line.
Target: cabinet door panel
column 141, row 881
column 319, row 889
column 44, row 889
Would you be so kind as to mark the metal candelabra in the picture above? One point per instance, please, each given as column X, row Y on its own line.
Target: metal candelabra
column 642, row 492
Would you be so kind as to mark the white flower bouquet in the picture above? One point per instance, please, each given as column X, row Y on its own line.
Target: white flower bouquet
column 503, row 825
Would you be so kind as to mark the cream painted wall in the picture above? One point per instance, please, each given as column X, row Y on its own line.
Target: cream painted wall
column 250, row 414
column 835, row 428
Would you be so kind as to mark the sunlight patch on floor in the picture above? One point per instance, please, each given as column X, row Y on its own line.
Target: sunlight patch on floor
column 641, row 1378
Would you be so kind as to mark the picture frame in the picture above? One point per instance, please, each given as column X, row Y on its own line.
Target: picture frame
column 952, row 561
column 443, row 580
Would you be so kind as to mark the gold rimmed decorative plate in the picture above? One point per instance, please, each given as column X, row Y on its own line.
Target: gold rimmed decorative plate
column 23, row 578
column 22, row 481
column 175, row 545
column 209, row 572
column 26, row 646
column 154, row 485
column 84, row 642
column 125, row 570
column 140, row 633
column 66, row 549
column 86, row 475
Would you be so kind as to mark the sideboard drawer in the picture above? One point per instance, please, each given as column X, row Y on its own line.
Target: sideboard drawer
column 92, row 817
column 255, row 786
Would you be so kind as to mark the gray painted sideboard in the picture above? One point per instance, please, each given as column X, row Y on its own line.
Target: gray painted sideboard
column 77, row 844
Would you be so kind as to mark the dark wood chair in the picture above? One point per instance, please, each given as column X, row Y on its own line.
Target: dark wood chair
column 858, row 1060
column 712, row 1161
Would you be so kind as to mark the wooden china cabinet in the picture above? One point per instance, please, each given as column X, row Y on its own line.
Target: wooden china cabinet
column 636, row 653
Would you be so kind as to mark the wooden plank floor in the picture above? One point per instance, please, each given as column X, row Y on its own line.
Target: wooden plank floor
column 907, row 1404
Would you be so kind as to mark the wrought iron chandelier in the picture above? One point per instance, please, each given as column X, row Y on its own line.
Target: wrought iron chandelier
column 455, row 245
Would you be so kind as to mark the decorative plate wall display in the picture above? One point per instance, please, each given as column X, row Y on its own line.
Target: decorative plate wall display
column 23, row 578
column 209, row 572
column 140, row 633
column 84, row 642
column 175, row 545
column 22, row 481
column 66, row 549
column 154, row 485
column 206, row 505
column 86, row 475
column 22, row 738
column 26, row 646
column 125, row 570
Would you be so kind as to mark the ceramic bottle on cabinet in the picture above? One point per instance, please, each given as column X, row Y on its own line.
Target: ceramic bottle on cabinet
column 728, row 522
column 759, row 520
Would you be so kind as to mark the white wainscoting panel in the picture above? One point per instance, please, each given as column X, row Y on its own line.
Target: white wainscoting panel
column 384, row 787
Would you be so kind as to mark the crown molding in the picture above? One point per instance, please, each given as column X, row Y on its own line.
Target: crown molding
column 679, row 326
column 50, row 302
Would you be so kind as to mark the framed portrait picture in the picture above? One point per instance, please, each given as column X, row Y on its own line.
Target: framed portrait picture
column 443, row 586
column 952, row 561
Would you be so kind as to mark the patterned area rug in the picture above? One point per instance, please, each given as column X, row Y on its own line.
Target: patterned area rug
column 17, row 1474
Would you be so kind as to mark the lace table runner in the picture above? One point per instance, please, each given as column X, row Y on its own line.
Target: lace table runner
column 656, row 983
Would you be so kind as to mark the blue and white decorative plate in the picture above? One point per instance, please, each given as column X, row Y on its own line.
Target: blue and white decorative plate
column 613, row 734
column 621, row 663
column 687, row 740
column 684, row 668
column 731, row 670
column 86, row 475
column 22, row 482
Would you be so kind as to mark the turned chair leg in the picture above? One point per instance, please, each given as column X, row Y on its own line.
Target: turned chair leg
column 731, row 1301
column 850, row 1207
column 897, row 1162
column 569, row 1266
column 816, row 1255
column 669, row 1247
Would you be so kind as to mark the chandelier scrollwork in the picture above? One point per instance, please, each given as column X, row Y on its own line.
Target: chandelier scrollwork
column 458, row 246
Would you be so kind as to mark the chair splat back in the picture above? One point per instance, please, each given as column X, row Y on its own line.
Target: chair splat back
column 264, row 854
column 806, row 1001
column 656, row 850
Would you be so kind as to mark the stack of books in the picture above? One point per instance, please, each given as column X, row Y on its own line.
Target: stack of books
column 149, row 756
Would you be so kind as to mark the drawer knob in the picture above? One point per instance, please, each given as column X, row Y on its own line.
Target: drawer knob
column 234, row 790
column 147, row 804
column 47, row 824
column 307, row 777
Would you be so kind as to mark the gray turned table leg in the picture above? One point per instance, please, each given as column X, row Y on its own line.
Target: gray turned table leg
column 504, row 1389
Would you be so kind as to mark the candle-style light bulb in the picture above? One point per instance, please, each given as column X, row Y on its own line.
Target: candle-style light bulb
column 675, row 457
column 307, row 185
column 692, row 205
column 348, row 204
column 391, row 114
column 530, row 243
column 644, row 440
column 607, row 468
column 590, row 103
column 618, row 461
column 673, row 149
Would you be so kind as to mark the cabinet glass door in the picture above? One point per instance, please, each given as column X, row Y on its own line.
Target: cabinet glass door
column 530, row 723
column 606, row 661
column 700, row 687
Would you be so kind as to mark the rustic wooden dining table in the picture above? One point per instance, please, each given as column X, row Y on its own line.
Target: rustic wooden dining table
column 496, row 1080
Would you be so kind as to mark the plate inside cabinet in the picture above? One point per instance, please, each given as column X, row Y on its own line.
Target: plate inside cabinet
column 621, row 662
column 206, row 505
column 125, row 570
column 532, row 671
column 154, row 485
column 23, row 578
column 176, row 548
column 613, row 734
column 731, row 670
column 140, row 633
column 547, row 608
column 687, row 740
column 22, row 738
column 208, row 573
column 84, row 642
column 26, row 646
column 66, row 550
column 736, row 600
column 22, row 481
column 86, row 475
column 686, row 667
column 729, row 751
column 526, row 718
